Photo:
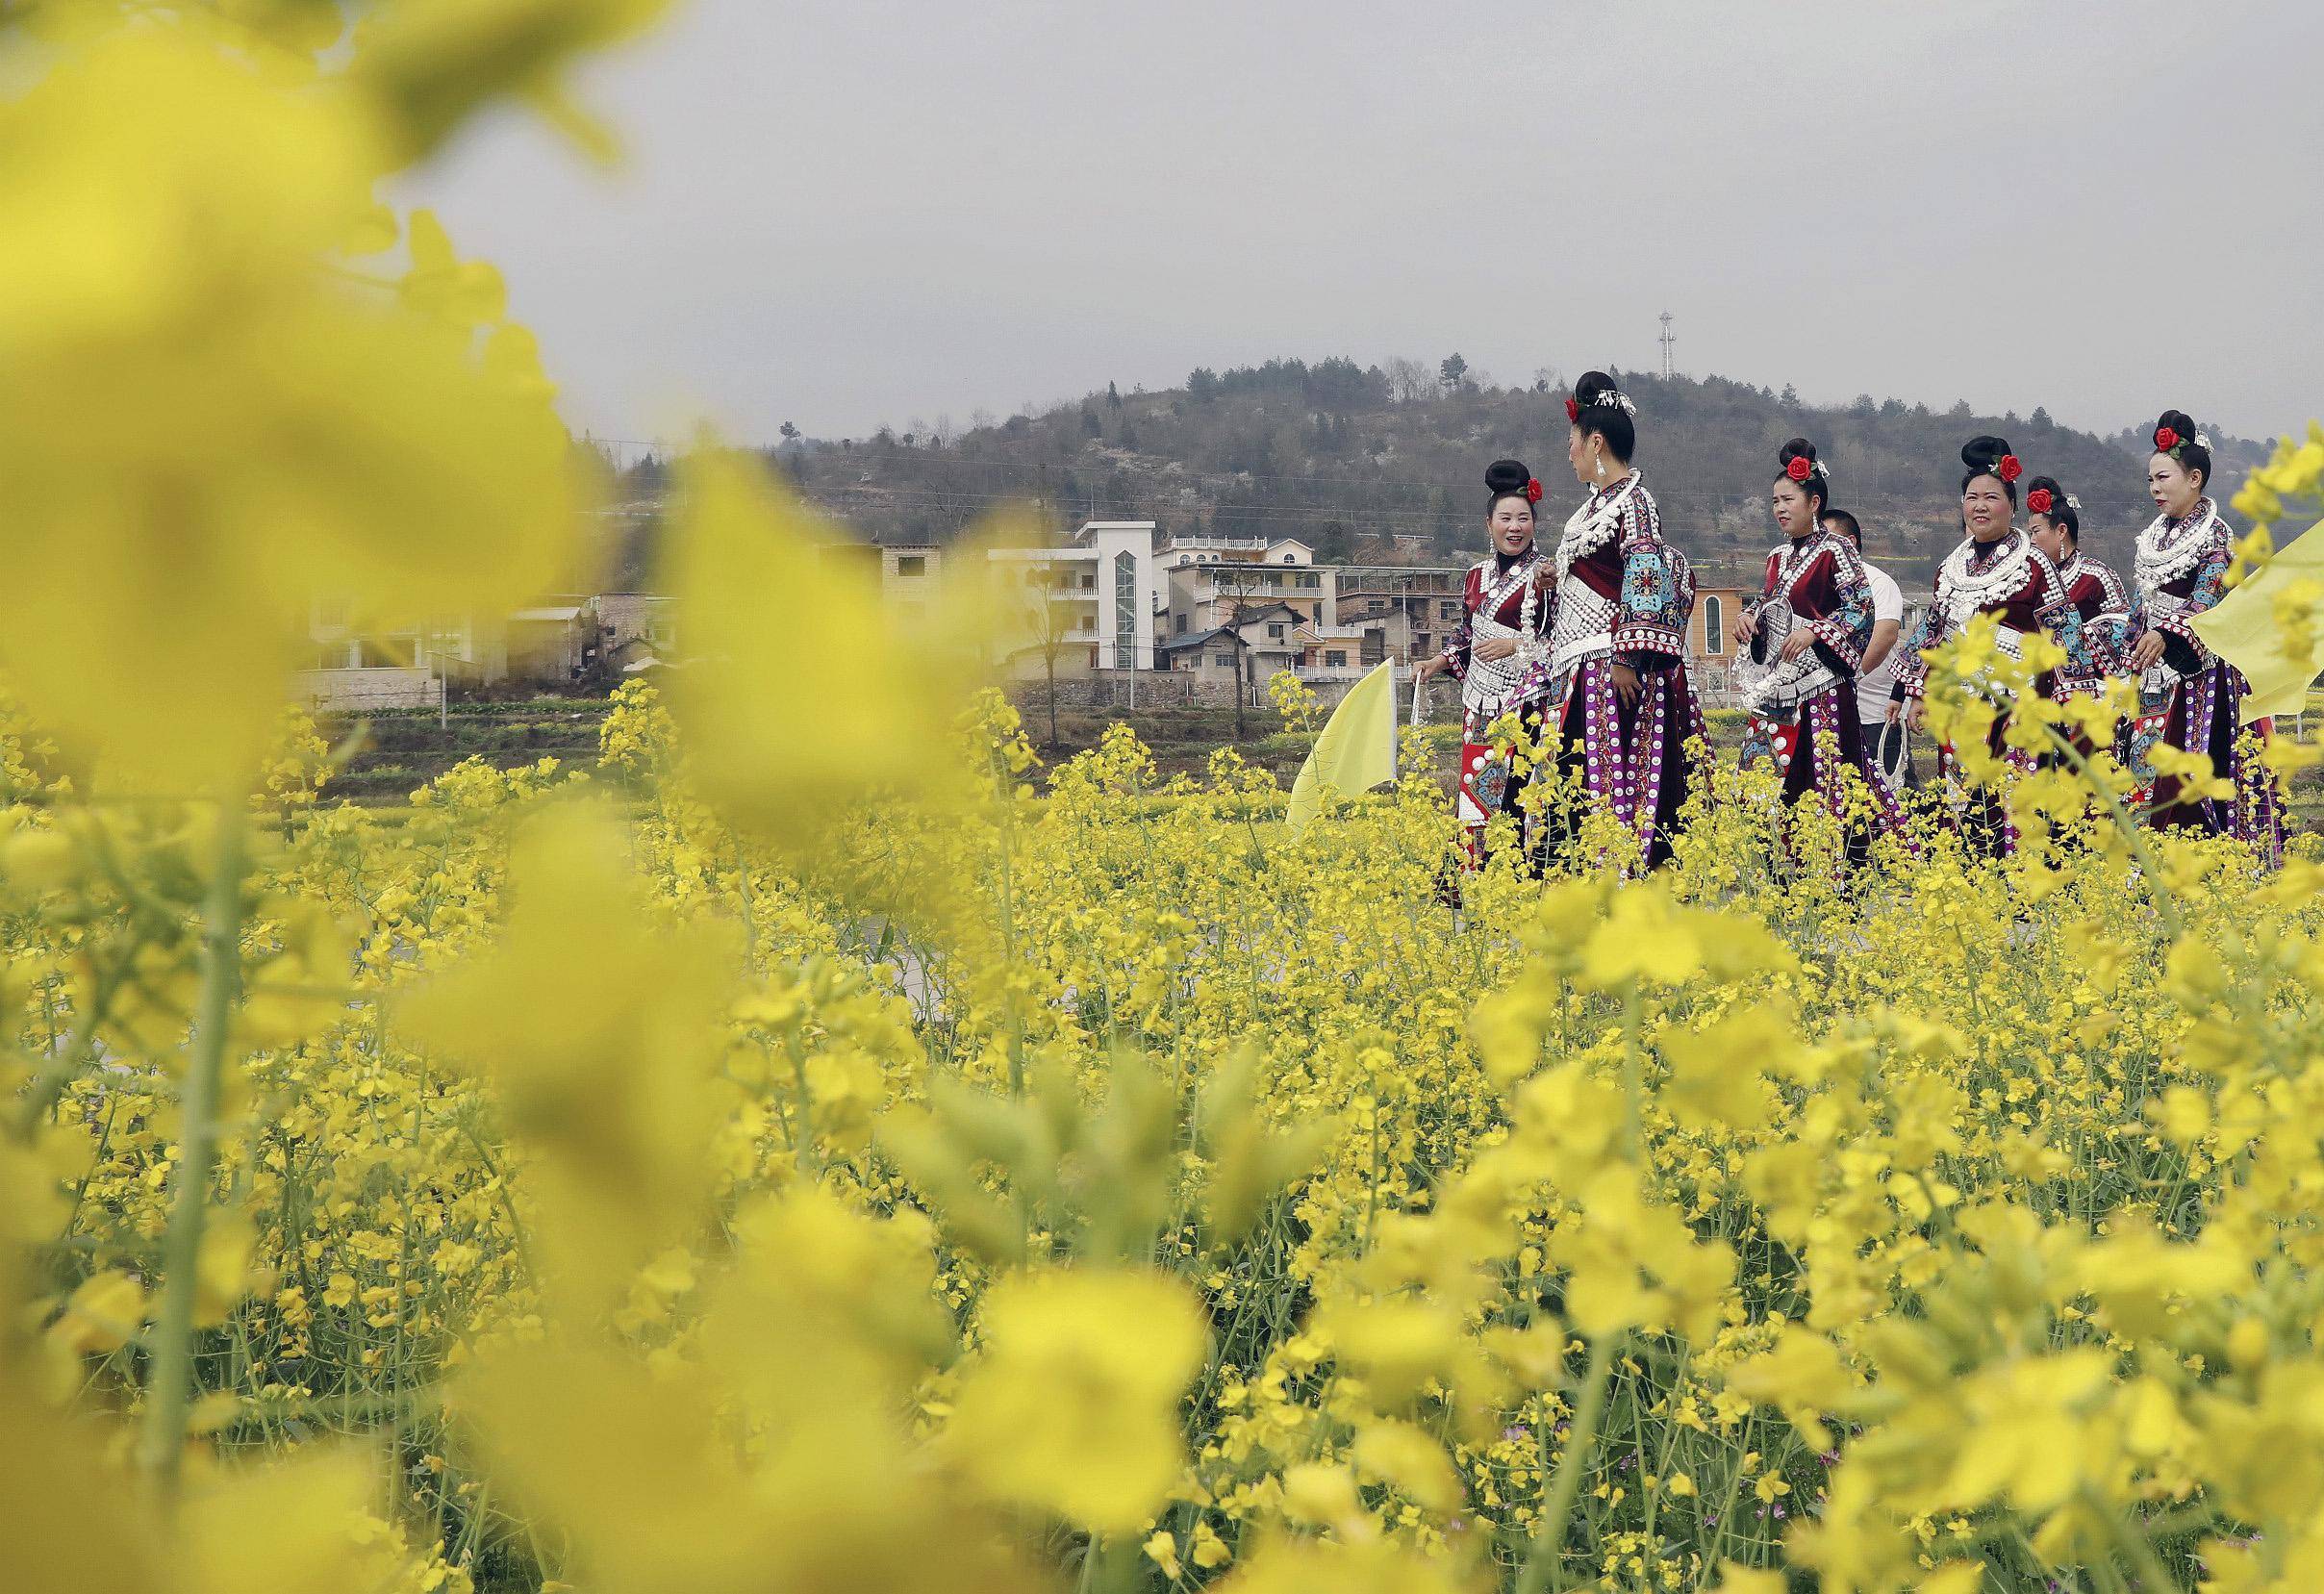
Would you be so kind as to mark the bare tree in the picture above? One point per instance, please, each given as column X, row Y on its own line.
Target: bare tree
column 1409, row 381
column 1247, row 591
column 1039, row 624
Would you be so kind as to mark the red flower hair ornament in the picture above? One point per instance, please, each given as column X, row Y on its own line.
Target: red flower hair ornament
column 2010, row 469
column 1572, row 412
column 1799, row 469
column 2039, row 500
column 2166, row 439
column 1534, row 490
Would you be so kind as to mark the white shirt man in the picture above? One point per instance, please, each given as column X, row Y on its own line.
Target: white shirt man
column 1878, row 673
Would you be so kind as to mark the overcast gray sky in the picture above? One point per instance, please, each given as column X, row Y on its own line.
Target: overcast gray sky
column 842, row 212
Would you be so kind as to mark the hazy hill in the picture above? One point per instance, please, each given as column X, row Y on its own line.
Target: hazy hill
column 1347, row 457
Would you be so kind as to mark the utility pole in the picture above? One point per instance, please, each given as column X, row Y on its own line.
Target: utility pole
column 1669, row 341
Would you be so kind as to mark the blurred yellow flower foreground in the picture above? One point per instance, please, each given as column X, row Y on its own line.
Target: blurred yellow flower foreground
column 795, row 1156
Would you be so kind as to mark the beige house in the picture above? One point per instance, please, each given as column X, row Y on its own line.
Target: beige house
column 1425, row 599
column 1212, row 579
column 1274, row 638
column 636, row 631
column 360, row 667
column 1341, row 653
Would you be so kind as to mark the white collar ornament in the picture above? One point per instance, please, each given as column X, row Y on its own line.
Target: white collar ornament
column 1591, row 526
column 1963, row 595
column 2168, row 548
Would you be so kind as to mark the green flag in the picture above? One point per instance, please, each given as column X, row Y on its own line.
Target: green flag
column 2241, row 628
column 1356, row 751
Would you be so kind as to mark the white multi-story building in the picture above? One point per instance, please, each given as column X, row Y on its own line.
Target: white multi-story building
column 1095, row 598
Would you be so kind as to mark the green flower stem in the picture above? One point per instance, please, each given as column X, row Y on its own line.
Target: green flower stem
column 169, row 1388
column 1544, row 1566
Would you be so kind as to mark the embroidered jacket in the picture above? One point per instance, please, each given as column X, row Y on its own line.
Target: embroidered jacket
column 1650, row 584
column 2181, row 570
column 1822, row 577
column 2007, row 577
column 2102, row 603
column 1497, row 591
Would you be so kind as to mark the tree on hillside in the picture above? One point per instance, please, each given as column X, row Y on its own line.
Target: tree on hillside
column 1408, row 381
column 1454, row 374
column 790, row 433
column 1203, row 385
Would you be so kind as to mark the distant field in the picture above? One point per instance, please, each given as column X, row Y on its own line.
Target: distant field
column 401, row 750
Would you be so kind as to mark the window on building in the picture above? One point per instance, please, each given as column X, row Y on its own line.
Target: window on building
column 911, row 564
column 1275, row 633
column 1177, row 624
column 1224, row 661
column 1336, row 656
column 1125, row 610
column 1715, row 626
column 1291, row 559
column 1375, row 646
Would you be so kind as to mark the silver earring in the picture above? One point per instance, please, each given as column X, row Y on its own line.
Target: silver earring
column 1602, row 467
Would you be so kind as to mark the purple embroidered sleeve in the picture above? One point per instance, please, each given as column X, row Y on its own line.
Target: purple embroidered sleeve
column 1845, row 626
column 1657, row 591
column 2208, row 587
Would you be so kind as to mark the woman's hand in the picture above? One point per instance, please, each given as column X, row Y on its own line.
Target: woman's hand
column 1906, row 713
column 1494, row 649
column 1432, row 666
column 1745, row 627
column 1625, row 684
column 1798, row 643
column 2147, row 651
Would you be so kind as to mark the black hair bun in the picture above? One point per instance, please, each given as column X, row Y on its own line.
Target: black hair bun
column 1506, row 476
column 1798, row 448
column 2179, row 422
column 1593, row 387
column 1984, row 455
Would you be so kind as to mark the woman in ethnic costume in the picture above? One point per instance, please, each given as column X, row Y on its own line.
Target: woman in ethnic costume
column 1997, row 570
column 1504, row 618
column 2188, row 696
column 1614, row 685
column 2102, row 602
column 1809, row 627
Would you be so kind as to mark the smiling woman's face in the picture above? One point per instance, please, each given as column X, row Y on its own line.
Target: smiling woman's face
column 1512, row 525
column 1985, row 508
